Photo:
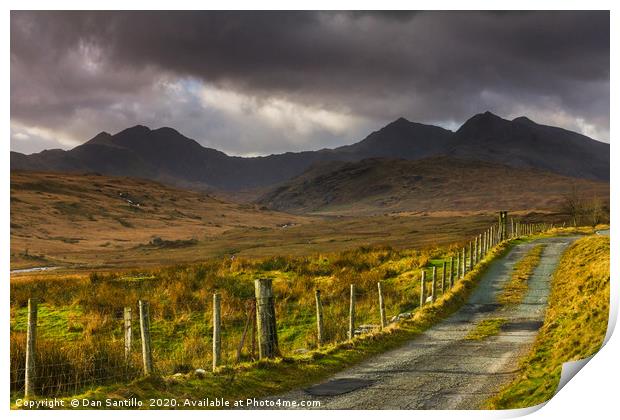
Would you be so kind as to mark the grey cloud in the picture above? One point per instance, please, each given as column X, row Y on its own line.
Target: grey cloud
column 426, row 66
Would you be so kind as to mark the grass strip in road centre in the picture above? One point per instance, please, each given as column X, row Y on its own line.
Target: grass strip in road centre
column 485, row 328
column 517, row 286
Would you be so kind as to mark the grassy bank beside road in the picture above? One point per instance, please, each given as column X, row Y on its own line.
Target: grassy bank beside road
column 575, row 323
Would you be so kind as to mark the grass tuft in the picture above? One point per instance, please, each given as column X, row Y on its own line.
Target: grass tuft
column 485, row 328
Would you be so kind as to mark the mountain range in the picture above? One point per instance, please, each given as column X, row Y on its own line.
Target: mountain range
column 427, row 185
column 167, row 156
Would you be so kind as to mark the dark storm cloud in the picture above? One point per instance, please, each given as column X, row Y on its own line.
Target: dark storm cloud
column 74, row 73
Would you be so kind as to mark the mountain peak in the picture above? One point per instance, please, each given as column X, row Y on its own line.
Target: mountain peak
column 401, row 120
column 482, row 122
column 523, row 120
column 101, row 137
column 487, row 115
column 167, row 130
column 136, row 129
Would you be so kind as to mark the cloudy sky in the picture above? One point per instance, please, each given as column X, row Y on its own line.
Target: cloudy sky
column 253, row 83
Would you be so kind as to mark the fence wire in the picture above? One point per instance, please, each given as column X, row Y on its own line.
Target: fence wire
column 100, row 350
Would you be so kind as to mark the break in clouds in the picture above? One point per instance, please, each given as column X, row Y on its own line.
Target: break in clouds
column 251, row 83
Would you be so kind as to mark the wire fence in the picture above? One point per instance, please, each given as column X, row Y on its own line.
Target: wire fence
column 118, row 345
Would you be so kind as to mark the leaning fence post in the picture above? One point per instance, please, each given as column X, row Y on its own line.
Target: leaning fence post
column 266, row 319
column 319, row 317
column 31, row 338
column 423, row 289
column 145, row 333
column 352, row 313
column 217, row 325
column 381, row 306
column 127, row 332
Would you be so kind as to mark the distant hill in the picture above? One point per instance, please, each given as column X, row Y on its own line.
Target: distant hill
column 438, row 184
column 167, row 156
column 60, row 219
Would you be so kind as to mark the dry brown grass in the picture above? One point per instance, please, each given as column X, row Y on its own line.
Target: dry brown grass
column 88, row 235
column 58, row 219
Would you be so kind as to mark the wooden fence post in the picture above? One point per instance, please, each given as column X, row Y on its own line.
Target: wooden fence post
column 451, row 271
column 217, row 334
column 443, row 278
column 434, row 285
column 352, row 313
column 464, row 264
column 319, row 317
column 471, row 257
column 31, row 339
column 479, row 256
column 266, row 319
column 127, row 333
column 145, row 333
column 517, row 229
column 381, row 306
column 423, row 289
column 487, row 235
column 503, row 225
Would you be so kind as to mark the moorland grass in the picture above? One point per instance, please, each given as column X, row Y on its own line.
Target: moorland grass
column 181, row 324
column 268, row 377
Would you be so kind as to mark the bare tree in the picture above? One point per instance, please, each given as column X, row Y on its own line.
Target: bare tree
column 595, row 211
column 572, row 205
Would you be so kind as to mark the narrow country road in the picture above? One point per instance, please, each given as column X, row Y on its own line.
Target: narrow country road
column 441, row 370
